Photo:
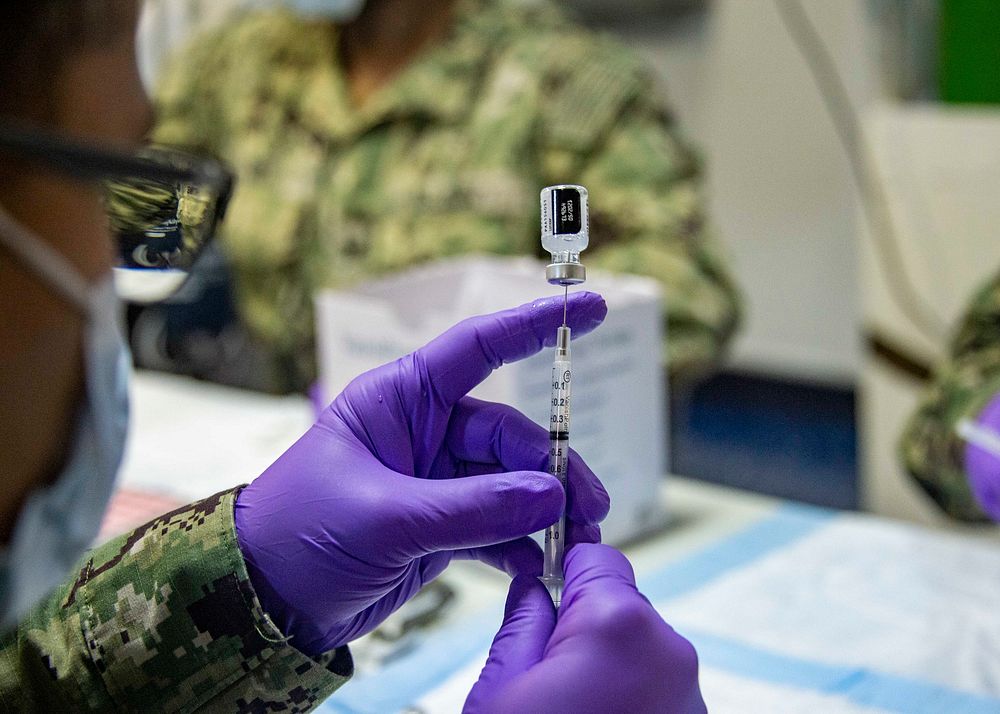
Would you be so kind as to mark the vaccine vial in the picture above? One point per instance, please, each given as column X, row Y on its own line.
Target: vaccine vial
column 565, row 232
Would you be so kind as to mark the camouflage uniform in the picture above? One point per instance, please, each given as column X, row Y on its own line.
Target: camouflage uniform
column 163, row 619
column 447, row 159
column 931, row 450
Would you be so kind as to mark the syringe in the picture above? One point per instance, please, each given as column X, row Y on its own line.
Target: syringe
column 565, row 234
column 555, row 535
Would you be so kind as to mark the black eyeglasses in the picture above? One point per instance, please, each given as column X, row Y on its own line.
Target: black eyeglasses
column 163, row 205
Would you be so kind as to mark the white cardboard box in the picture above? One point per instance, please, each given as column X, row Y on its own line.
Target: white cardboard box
column 619, row 412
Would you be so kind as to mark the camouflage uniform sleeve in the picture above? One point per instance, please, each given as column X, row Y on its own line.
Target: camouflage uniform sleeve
column 607, row 128
column 930, row 449
column 163, row 619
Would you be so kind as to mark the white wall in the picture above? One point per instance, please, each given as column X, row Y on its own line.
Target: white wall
column 166, row 25
column 939, row 168
column 780, row 192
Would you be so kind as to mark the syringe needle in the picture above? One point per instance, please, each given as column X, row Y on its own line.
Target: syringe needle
column 565, row 303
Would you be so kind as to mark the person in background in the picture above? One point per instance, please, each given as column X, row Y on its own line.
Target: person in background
column 962, row 477
column 371, row 136
column 247, row 600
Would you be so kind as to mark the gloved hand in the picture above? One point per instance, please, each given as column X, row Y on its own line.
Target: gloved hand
column 982, row 465
column 402, row 473
column 608, row 650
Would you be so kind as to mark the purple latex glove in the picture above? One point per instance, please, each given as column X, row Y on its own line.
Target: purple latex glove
column 982, row 465
column 368, row 505
column 608, row 650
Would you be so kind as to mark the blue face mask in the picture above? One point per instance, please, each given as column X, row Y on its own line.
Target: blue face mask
column 58, row 522
column 335, row 10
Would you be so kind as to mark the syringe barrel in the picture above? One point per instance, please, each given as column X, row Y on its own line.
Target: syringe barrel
column 559, row 413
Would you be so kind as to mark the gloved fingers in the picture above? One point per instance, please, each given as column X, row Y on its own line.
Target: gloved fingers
column 431, row 566
column 600, row 603
column 485, row 432
column 586, row 497
column 318, row 398
column 986, row 490
column 604, row 611
column 464, row 356
column 590, row 561
column 407, row 586
column 522, row 556
column 596, row 571
column 582, row 533
column 982, row 467
column 454, row 514
column 474, row 468
column 576, row 531
column 528, row 621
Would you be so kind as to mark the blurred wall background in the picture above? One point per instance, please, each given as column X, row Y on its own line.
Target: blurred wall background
column 823, row 299
column 780, row 192
column 781, row 418
column 803, row 375
column 781, row 199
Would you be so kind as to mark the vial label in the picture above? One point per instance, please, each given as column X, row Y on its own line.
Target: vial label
column 566, row 211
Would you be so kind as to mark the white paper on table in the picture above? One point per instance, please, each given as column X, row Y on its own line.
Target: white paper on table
column 724, row 692
column 190, row 439
column 727, row 693
column 860, row 592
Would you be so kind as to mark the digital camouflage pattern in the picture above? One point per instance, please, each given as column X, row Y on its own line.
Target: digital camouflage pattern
column 163, row 619
column 931, row 450
column 447, row 159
